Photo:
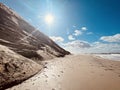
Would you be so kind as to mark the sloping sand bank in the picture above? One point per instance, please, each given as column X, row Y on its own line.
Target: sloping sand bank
column 75, row 72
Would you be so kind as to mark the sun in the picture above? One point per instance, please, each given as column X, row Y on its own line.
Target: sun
column 49, row 18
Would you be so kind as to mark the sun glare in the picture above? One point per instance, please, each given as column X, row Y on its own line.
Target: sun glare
column 49, row 18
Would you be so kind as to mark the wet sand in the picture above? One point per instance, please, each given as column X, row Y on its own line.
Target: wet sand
column 75, row 72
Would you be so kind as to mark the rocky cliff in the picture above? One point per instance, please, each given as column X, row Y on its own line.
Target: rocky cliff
column 22, row 47
column 21, row 37
column 15, row 68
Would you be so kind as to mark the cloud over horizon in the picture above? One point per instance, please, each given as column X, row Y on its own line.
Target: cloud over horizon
column 113, row 38
column 70, row 37
column 77, row 44
column 82, row 47
column 105, row 44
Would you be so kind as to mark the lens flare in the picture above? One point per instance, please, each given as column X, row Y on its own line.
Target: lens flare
column 49, row 19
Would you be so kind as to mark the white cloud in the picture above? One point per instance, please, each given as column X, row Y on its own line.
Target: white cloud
column 89, row 33
column 114, row 38
column 105, row 48
column 57, row 38
column 84, row 28
column 70, row 37
column 77, row 32
column 78, row 46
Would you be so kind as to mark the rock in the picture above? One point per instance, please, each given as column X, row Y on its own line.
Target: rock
column 15, row 68
column 21, row 46
column 24, row 39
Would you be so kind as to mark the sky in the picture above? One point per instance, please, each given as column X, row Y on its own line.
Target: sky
column 79, row 26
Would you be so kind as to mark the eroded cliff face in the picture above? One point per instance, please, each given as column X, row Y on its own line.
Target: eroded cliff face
column 15, row 68
column 22, row 47
column 21, row 37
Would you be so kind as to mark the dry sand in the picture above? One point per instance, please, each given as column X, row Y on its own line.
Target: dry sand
column 75, row 72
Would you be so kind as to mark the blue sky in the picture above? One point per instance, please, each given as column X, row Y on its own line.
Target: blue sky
column 78, row 26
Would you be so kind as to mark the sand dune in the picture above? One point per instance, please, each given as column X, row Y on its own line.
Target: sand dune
column 75, row 72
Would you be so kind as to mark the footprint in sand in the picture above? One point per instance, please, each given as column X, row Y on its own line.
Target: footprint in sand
column 101, row 75
column 46, row 76
column 108, row 69
column 53, row 89
column 92, row 72
column 34, row 79
column 92, row 65
column 45, row 66
column 111, row 66
column 61, row 71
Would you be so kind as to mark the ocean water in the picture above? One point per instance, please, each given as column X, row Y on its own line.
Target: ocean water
column 115, row 57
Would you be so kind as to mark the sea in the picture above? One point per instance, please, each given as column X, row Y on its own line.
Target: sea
column 115, row 57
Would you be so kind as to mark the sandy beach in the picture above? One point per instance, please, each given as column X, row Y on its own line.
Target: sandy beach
column 75, row 72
